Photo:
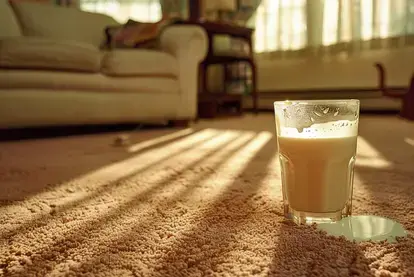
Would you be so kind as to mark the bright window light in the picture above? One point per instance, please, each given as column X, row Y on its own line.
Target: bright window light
column 123, row 10
column 330, row 21
column 280, row 25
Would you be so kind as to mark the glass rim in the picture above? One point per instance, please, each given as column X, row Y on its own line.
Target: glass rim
column 316, row 101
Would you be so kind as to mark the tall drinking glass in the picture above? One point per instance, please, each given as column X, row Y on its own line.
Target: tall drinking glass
column 317, row 142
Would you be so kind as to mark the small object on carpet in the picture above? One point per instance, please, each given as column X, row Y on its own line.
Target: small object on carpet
column 122, row 140
column 125, row 139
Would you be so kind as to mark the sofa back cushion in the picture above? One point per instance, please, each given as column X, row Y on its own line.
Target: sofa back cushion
column 64, row 23
column 9, row 26
column 48, row 54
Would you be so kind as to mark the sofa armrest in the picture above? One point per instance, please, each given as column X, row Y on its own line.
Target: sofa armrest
column 185, row 41
column 188, row 43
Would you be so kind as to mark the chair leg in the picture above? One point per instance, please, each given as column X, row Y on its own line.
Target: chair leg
column 407, row 110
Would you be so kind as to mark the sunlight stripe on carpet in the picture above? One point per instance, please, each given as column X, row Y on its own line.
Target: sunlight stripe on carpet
column 117, row 170
column 108, row 174
column 368, row 156
column 237, row 138
column 222, row 182
column 239, row 160
column 130, row 196
column 409, row 141
column 158, row 140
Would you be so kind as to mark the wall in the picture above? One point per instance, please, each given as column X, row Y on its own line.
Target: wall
column 344, row 72
column 353, row 71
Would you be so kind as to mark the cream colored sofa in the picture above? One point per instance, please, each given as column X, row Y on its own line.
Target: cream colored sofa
column 53, row 71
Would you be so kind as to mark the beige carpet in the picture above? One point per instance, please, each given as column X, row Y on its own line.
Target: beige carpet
column 201, row 202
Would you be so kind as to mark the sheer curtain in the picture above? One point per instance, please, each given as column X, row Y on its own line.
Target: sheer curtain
column 280, row 25
column 298, row 24
column 122, row 10
column 345, row 20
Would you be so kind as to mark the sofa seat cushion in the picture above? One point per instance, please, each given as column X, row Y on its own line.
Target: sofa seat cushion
column 49, row 54
column 139, row 62
column 59, row 81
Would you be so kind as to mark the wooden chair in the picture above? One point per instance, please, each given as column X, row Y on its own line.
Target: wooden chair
column 406, row 94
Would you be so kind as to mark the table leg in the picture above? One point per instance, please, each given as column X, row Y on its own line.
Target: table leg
column 254, row 87
column 202, row 79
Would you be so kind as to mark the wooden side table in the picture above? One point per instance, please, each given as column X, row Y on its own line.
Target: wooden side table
column 210, row 103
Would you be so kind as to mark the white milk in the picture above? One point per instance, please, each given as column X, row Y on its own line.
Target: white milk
column 317, row 172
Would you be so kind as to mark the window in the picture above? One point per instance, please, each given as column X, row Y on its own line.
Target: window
column 280, row 25
column 122, row 10
column 345, row 20
column 330, row 20
column 410, row 17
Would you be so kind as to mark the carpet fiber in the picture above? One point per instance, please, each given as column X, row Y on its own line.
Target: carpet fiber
column 204, row 201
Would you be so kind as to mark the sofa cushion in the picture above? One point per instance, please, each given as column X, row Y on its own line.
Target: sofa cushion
column 59, row 81
column 139, row 62
column 62, row 23
column 41, row 53
column 9, row 26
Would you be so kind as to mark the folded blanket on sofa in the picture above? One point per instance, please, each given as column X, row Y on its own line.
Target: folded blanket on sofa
column 134, row 34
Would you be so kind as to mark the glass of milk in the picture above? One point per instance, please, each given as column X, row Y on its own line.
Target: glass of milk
column 317, row 142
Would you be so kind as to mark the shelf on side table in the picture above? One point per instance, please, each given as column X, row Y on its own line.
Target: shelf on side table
column 211, row 105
